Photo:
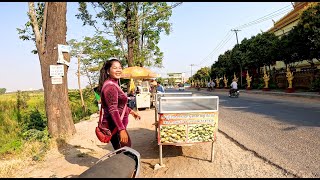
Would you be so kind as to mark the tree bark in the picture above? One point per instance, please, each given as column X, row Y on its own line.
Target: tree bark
column 129, row 28
column 60, row 122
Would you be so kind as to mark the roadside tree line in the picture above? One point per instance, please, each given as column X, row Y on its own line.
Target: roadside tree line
column 264, row 49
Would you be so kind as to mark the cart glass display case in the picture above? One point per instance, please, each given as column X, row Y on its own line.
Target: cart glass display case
column 184, row 120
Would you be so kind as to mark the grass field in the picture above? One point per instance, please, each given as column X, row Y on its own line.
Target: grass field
column 23, row 120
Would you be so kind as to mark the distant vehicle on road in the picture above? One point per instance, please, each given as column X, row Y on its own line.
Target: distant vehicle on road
column 186, row 85
column 181, row 87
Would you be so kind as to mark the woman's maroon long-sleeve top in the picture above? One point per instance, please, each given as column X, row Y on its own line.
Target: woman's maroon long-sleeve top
column 113, row 100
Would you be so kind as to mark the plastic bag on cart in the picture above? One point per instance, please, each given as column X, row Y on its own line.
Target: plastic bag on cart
column 121, row 163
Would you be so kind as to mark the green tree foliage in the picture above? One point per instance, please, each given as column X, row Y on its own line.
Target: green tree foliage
column 310, row 22
column 223, row 65
column 26, row 33
column 22, row 98
column 263, row 48
column 284, row 47
column 301, row 43
column 203, row 73
column 3, row 90
column 75, row 104
column 93, row 52
column 171, row 81
column 160, row 80
column 35, row 119
column 136, row 27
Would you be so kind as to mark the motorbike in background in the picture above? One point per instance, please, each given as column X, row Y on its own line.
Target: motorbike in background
column 235, row 93
column 121, row 163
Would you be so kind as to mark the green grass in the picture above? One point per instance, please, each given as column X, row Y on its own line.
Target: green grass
column 23, row 119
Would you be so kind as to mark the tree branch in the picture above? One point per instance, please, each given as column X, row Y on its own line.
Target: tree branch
column 143, row 15
column 44, row 26
column 117, row 32
column 159, row 12
column 35, row 25
column 116, row 29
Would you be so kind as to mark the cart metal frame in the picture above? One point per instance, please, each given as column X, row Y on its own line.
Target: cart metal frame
column 162, row 96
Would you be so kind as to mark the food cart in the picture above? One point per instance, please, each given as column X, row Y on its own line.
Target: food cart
column 157, row 97
column 143, row 99
column 186, row 120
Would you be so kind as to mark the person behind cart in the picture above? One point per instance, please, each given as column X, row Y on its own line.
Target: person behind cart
column 131, row 99
column 139, row 87
column 160, row 88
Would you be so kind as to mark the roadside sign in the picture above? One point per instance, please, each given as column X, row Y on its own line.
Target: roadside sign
column 56, row 70
column 56, row 80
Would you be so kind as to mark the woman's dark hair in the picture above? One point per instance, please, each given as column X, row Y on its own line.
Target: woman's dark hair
column 104, row 72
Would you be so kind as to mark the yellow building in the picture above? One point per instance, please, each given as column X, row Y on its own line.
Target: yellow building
column 178, row 78
column 284, row 25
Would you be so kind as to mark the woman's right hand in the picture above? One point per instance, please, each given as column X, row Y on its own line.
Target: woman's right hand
column 135, row 115
column 123, row 136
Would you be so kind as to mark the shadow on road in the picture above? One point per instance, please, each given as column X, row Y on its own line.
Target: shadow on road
column 70, row 151
column 293, row 113
column 144, row 141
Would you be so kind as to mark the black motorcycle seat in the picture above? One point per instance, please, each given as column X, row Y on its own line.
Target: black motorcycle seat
column 117, row 166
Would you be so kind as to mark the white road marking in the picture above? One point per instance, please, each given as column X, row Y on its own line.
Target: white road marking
column 236, row 107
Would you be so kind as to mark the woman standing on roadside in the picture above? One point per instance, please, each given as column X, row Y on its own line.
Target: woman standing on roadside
column 113, row 101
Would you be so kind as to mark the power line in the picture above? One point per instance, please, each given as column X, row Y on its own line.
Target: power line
column 259, row 20
column 266, row 17
column 229, row 35
column 262, row 20
column 216, row 48
column 219, row 47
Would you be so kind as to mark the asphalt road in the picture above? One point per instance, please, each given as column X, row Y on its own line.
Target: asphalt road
column 284, row 132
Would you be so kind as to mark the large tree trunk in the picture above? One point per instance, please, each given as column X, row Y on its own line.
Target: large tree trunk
column 58, row 111
column 129, row 28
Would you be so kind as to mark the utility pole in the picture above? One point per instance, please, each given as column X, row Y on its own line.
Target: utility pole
column 191, row 68
column 236, row 31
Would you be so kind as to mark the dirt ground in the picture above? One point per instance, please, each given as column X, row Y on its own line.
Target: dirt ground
column 84, row 149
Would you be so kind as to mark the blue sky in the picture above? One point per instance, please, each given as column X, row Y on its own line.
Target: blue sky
column 201, row 31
